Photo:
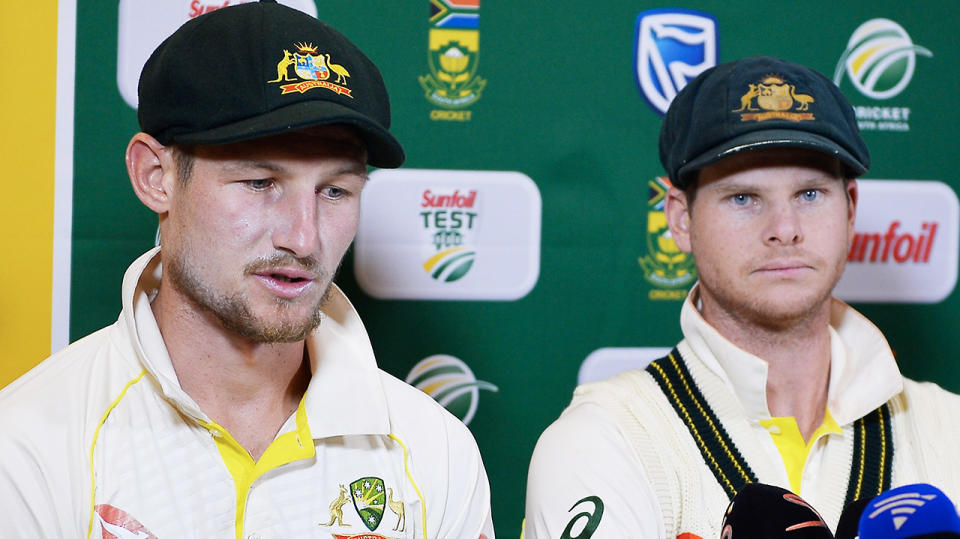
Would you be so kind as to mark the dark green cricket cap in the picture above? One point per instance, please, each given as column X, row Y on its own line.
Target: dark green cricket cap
column 258, row 69
column 753, row 103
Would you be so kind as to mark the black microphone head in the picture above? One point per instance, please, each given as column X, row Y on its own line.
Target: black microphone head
column 768, row 512
column 849, row 525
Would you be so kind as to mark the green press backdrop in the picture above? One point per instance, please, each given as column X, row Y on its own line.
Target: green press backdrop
column 554, row 91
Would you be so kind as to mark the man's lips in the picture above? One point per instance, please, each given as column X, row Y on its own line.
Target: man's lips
column 784, row 268
column 287, row 283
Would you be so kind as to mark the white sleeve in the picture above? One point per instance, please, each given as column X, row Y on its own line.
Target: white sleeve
column 585, row 482
column 466, row 512
column 33, row 504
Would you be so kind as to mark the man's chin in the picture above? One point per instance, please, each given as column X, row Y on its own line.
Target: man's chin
column 784, row 311
column 270, row 333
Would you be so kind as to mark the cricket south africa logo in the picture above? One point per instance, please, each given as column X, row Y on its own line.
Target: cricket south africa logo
column 453, row 58
column 310, row 69
column 665, row 266
column 672, row 47
column 880, row 60
column 449, row 220
column 451, row 383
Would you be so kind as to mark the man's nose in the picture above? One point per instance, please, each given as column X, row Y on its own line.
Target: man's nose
column 297, row 230
column 783, row 225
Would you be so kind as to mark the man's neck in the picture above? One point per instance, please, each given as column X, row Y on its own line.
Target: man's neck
column 249, row 388
column 798, row 355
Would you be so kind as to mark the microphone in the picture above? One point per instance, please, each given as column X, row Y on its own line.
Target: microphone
column 768, row 512
column 849, row 525
column 918, row 510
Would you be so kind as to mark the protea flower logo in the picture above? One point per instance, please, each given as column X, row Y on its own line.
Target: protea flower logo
column 880, row 59
column 449, row 219
column 451, row 383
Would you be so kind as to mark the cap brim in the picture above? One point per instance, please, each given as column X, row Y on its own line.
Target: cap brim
column 774, row 138
column 383, row 150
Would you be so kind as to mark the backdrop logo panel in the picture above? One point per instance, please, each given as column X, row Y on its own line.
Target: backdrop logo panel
column 665, row 266
column 143, row 25
column 672, row 47
column 879, row 60
column 605, row 362
column 453, row 56
column 447, row 234
column 451, row 383
column 904, row 247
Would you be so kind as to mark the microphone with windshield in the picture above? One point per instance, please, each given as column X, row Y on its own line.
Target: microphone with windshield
column 767, row 512
column 916, row 511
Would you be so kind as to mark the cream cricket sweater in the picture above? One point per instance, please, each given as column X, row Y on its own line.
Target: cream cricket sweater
column 637, row 434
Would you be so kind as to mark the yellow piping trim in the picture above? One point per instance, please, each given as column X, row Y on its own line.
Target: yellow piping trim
column 863, row 457
column 423, row 503
column 706, row 416
column 883, row 448
column 96, row 433
column 286, row 448
column 693, row 428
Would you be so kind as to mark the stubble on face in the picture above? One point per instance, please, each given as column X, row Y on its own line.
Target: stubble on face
column 771, row 313
column 733, row 283
column 234, row 310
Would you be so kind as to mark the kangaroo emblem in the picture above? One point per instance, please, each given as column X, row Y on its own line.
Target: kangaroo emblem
column 746, row 100
column 283, row 67
column 803, row 99
column 336, row 508
column 397, row 508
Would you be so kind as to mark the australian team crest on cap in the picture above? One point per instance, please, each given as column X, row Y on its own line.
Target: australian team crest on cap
column 774, row 98
column 312, row 69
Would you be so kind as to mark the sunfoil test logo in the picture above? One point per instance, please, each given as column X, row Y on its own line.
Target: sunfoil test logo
column 880, row 60
column 665, row 266
column 448, row 235
column 451, row 383
column 449, row 220
column 672, row 47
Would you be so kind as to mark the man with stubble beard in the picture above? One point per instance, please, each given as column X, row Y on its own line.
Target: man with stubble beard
column 775, row 381
column 237, row 395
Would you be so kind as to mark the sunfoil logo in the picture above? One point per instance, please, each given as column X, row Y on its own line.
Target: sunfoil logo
column 448, row 235
column 449, row 220
column 880, row 59
column 451, row 383
column 904, row 246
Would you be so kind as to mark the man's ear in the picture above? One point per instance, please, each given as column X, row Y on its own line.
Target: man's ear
column 677, row 211
column 152, row 171
column 852, row 195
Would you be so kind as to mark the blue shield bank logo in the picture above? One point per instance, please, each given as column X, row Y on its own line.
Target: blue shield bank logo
column 672, row 47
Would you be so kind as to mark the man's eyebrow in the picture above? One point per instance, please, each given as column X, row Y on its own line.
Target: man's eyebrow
column 251, row 164
column 737, row 187
column 358, row 170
